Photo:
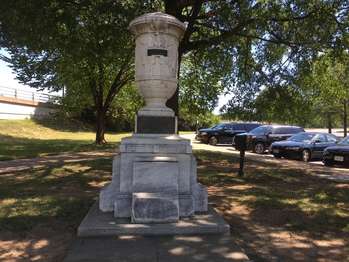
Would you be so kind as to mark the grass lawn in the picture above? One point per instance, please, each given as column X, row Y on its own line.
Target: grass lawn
column 28, row 138
column 276, row 214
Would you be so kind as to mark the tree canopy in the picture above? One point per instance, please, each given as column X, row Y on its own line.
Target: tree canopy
column 266, row 40
column 229, row 45
column 83, row 46
column 328, row 82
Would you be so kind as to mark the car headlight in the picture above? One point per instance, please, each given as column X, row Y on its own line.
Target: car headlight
column 203, row 134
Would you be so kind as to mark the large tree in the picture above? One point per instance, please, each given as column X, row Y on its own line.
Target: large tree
column 81, row 45
column 328, row 79
column 201, row 82
column 265, row 39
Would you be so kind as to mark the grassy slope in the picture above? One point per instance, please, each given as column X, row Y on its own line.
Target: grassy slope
column 27, row 138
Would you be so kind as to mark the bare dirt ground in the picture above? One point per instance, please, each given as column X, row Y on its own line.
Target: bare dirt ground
column 40, row 162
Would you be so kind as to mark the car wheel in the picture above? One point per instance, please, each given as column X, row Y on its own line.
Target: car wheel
column 213, row 141
column 277, row 155
column 306, row 155
column 259, row 148
column 328, row 162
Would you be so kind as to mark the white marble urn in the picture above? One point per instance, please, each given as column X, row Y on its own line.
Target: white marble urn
column 157, row 39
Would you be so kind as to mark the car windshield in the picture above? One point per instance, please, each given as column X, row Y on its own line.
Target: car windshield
column 260, row 130
column 302, row 137
column 344, row 141
column 218, row 126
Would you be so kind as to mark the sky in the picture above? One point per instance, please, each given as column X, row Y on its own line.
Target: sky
column 8, row 79
column 222, row 100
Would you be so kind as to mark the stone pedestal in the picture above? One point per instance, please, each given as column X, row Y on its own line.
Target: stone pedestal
column 154, row 188
column 154, row 180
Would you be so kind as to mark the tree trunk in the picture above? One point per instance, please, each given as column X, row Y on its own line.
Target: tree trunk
column 100, row 126
column 345, row 118
column 329, row 123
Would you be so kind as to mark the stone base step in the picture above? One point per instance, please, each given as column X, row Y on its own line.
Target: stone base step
column 98, row 223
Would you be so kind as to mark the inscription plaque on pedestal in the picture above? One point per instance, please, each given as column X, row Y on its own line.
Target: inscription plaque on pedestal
column 156, row 125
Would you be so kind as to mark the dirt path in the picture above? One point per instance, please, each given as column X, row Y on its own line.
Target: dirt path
column 332, row 173
column 39, row 162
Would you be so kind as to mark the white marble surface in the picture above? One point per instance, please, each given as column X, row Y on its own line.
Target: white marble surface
column 154, row 176
column 154, row 164
column 156, row 75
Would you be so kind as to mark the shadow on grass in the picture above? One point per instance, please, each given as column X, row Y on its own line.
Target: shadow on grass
column 279, row 213
column 62, row 192
column 12, row 147
column 46, row 206
column 62, row 124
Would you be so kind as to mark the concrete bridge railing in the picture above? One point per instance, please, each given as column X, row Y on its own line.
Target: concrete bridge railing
column 22, row 104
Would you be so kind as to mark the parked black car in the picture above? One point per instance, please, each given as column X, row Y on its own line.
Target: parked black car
column 260, row 138
column 224, row 133
column 338, row 154
column 306, row 146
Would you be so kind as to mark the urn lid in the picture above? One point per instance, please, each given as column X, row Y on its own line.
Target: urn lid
column 156, row 22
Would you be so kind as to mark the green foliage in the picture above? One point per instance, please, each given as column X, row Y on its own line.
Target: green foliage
column 190, row 121
column 283, row 104
column 330, row 78
column 63, row 43
column 267, row 42
column 229, row 46
column 201, row 82
column 320, row 88
column 121, row 113
column 124, row 108
column 83, row 46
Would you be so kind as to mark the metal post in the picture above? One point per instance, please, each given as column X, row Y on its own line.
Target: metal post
column 240, row 144
column 242, row 161
column 345, row 118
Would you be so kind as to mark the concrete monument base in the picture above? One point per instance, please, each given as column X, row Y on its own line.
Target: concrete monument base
column 154, row 181
column 154, row 188
column 98, row 223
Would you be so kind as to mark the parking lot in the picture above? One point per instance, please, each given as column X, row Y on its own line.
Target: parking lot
column 334, row 173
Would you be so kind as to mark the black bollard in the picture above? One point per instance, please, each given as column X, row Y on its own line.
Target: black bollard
column 240, row 144
column 242, row 160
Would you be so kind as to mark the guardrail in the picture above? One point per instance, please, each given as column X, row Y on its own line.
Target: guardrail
column 28, row 95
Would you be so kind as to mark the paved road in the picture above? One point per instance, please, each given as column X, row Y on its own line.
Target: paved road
column 333, row 173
